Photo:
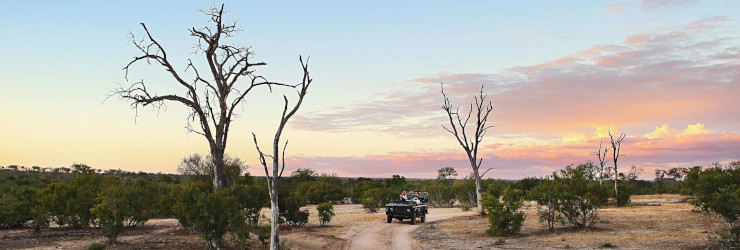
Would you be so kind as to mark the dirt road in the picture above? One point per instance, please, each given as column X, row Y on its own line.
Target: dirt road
column 395, row 235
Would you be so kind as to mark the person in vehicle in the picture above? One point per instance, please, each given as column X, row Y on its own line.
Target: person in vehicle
column 403, row 196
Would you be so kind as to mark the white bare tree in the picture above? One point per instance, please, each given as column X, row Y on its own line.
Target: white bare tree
column 601, row 154
column 273, row 177
column 616, row 146
column 470, row 143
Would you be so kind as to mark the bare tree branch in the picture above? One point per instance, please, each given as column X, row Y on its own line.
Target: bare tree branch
column 210, row 95
column 459, row 130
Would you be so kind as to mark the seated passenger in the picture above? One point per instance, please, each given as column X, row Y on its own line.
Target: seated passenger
column 417, row 200
column 403, row 196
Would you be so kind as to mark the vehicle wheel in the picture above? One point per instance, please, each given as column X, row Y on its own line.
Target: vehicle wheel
column 423, row 218
column 389, row 219
column 400, row 219
column 413, row 219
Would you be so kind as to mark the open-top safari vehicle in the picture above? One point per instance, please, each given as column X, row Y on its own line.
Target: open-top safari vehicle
column 414, row 207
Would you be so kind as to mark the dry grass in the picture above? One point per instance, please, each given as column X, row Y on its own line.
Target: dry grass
column 671, row 225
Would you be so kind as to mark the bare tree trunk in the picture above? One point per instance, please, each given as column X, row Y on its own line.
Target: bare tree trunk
column 616, row 145
column 601, row 154
column 218, row 168
column 274, row 219
column 470, row 145
column 277, row 169
column 478, row 190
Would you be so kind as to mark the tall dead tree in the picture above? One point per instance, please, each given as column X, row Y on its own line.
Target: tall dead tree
column 601, row 154
column 616, row 146
column 277, row 157
column 470, row 144
column 211, row 95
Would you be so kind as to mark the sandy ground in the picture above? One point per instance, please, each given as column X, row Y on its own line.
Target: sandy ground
column 398, row 234
column 673, row 225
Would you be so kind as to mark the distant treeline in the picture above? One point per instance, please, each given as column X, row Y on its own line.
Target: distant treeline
column 81, row 196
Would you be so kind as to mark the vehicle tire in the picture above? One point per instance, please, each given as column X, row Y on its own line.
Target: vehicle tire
column 423, row 218
column 389, row 219
column 400, row 219
column 413, row 218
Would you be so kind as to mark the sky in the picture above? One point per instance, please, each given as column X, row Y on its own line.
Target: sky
column 560, row 75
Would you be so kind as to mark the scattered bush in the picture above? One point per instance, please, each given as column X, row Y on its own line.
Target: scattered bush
column 465, row 207
column 504, row 216
column 580, row 196
column 326, row 212
column 111, row 208
column 210, row 213
column 369, row 205
column 264, row 235
column 608, row 245
column 548, row 195
column 626, row 189
column 290, row 211
column 718, row 192
column 96, row 246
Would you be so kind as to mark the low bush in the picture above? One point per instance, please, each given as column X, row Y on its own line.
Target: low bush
column 264, row 235
column 717, row 192
column 290, row 211
column 504, row 216
column 547, row 195
column 326, row 213
column 112, row 208
column 96, row 246
column 580, row 196
column 369, row 205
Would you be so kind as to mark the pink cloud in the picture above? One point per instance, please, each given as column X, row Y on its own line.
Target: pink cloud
column 662, row 148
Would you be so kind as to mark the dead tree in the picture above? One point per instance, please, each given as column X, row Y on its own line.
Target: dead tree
column 616, row 146
column 211, row 95
column 277, row 157
column 470, row 144
column 601, row 154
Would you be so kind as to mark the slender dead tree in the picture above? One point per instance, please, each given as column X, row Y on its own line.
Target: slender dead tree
column 601, row 154
column 470, row 143
column 211, row 96
column 276, row 157
column 616, row 146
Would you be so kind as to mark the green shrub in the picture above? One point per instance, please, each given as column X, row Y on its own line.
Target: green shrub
column 547, row 195
column 504, row 216
column 290, row 211
column 250, row 199
column 70, row 204
column 369, row 205
column 111, row 209
column 718, row 192
column 608, row 245
column 18, row 205
column 96, row 246
column 626, row 189
column 264, row 235
column 465, row 207
column 326, row 212
column 580, row 196
column 380, row 196
column 210, row 213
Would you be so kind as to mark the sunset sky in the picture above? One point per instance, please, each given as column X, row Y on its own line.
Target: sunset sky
column 560, row 75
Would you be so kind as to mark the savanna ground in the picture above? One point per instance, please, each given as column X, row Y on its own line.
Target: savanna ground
column 674, row 224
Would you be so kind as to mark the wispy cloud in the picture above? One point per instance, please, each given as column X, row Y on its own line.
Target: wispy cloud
column 551, row 114
column 664, row 147
column 663, row 77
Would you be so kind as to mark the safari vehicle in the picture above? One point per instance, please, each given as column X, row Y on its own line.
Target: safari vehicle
column 408, row 209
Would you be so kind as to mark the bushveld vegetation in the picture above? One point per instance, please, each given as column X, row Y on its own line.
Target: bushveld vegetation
column 113, row 200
